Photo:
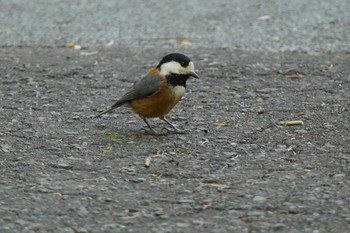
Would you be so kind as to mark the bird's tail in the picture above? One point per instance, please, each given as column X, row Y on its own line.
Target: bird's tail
column 116, row 105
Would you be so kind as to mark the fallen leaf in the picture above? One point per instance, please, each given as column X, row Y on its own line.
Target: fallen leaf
column 88, row 53
column 3, row 133
column 267, row 130
column 219, row 186
column 109, row 44
column 284, row 212
column 185, row 43
column 147, row 161
column 5, row 148
column 306, row 115
column 221, row 123
column 291, row 149
column 224, row 167
column 204, row 140
column 57, row 194
column 210, row 204
column 70, row 45
column 275, row 38
column 290, row 123
column 264, row 17
column 156, row 155
column 295, row 75
column 158, row 177
column 113, row 136
column 216, row 185
column 107, row 149
column 73, row 46
column 326, row 67
column 294, row 72
column 100, row 110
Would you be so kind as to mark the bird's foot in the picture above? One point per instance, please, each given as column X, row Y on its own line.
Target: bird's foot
column 149, row 131
column 175, row 130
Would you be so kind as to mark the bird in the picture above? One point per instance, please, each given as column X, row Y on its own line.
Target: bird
column 155, row 94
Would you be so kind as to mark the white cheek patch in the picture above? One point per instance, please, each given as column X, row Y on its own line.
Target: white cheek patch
column 175, row 68
column 170, row 67
column 190, row 67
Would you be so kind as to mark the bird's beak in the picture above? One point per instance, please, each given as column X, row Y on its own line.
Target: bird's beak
column 193, row 74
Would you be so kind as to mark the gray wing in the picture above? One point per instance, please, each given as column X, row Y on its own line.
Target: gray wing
column 147, row 86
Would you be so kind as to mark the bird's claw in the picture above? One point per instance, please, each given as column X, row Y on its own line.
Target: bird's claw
column 175, row 130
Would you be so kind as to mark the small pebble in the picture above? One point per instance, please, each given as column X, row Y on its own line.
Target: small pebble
column 83, row 211
column 255, row 213
column 81, row 230
column 259, row 199
column 279, row 227
column 339, row 176
column 67, row 230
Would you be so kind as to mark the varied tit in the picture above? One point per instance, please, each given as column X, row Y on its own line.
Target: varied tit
column 160, row 90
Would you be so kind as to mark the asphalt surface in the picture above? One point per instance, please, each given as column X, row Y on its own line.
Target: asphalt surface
column 236, row 168
column 300, row 25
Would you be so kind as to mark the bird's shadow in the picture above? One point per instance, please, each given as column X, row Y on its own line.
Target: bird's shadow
column 143, row 132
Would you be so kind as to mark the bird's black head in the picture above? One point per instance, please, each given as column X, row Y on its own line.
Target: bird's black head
column 183, row 60
column 176, row 64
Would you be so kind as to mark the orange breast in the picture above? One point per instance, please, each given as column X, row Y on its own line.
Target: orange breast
column 157, row 105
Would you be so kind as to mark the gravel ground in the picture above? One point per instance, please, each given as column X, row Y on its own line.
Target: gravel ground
column 283, row 25
column 235, row 169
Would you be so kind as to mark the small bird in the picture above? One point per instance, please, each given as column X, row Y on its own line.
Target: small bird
column 160, row 90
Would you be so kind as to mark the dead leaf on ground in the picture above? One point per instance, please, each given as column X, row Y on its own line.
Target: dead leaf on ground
column 204, row 141
column 109, row 44
column 185, row 42
column 264, row 17
column 107, row 150
column 3, row 133
column 295, row 75
column 291, row 149
column 294, row 72
column 113, row 136
column 267, row 130
column 73, row 46
column 147, row 161
column 208, row 205
column 158, row 177
column 290, row 123
column 325, row 67
column 157, row 154
column 284, row 212
column 216, row 185
column 100, row 110
column 221, row 123
column 306, row 115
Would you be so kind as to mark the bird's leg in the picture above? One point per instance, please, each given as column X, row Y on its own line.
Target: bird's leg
column 149, row 126
column 172, row 126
